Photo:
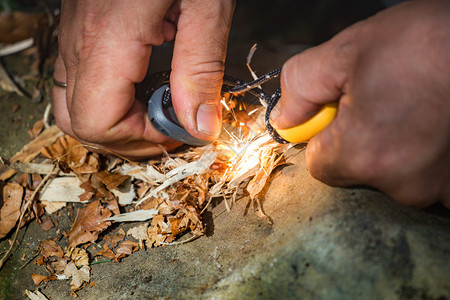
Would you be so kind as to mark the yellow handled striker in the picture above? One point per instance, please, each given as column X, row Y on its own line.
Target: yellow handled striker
column 305, row 131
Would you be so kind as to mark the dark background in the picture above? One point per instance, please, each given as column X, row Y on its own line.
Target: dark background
column 288, row 21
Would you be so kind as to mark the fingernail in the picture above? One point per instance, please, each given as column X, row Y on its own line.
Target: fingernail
column 208, row 120
column 274, row 114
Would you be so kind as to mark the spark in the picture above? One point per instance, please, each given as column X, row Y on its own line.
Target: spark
column 253, row 111
column 225, row 104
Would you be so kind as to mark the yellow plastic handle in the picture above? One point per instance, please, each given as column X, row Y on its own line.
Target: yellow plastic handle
column 313, row 126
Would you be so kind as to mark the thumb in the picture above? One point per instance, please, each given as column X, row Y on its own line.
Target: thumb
column 308, row 80
column 198, row 65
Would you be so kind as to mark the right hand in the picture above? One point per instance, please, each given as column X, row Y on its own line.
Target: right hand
column 391, row 75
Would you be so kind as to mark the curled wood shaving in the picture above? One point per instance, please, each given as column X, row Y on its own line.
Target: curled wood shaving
column 137, row 215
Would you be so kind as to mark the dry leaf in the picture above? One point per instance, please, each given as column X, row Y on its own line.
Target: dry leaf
column 267, row 164
column 47, row 223
column 113, row 240
column 72, row 156
column 79, row 276
column 106, row 252
column 90, row 221
column 37, row 279
column 37, row 129
column 112, row 205
column 18, row 25
column 10, row 211
column 139, row 232
column 111, row 180
column 60, row 265
column 39, row 261
column 51, row 248
column 126, row 248
column 32, row 149
column 79, row 256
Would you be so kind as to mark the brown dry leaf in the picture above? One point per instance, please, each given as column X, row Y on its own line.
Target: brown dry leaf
column 139, row 233
column 113, row 240
column 126, row 248
column 10, row 211
column 267, row 164
column 15, row 107
column 159, row 232
column 89, row 191
column 72, row 156
column 112, row 205
column 106, row 252
column 79, row 256
column 110, row 180
column 38, row 210
column 51, row 248
column 89, row 223
column 47, row 223
column 39, row 261
column 79, row 276
column 18, row 25
column 37, row 129
column 94, row 188
column 32, row 149
column 60, row 265
column 175, row 224
column 37, row 279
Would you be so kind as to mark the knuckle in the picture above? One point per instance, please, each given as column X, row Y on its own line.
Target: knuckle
column 63, row 124
column 89, row 135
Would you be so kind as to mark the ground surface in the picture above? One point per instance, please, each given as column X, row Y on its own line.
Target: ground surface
column 325, row 243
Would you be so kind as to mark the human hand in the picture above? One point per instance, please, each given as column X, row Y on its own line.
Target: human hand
column 105, row 48
column 391, row 75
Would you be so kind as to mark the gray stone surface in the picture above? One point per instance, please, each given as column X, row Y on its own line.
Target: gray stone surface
column 326, row 243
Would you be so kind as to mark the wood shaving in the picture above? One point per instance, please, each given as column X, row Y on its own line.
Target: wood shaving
column 137, row 215
column 37, row 295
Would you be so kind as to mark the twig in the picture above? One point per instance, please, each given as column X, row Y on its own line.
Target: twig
column 181, row 242
column 110, row 152
column 96, row 148
column 251, row 52
column 5, row 257
column 28, row 261
column 47, row 115
column 207, row 204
